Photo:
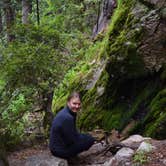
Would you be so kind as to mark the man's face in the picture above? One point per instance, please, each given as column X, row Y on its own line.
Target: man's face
column 74, row 104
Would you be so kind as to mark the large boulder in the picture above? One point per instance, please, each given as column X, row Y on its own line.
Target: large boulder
column 45, row 159
column 131, row 84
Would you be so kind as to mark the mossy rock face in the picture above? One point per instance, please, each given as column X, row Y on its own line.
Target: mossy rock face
column 130, row 69
column 156, row 118
column 133, row 73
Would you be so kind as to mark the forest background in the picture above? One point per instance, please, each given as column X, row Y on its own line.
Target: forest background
column 50, row 48
column 40, row 41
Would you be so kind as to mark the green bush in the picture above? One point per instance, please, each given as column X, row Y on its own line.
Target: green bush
column 12, row 114
column 31, row 67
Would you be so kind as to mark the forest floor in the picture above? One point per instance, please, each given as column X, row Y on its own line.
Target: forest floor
column 90, row 157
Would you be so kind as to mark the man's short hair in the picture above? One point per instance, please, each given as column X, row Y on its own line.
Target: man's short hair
column 72, row 95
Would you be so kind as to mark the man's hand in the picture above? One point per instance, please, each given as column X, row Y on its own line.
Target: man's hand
column 98, row 135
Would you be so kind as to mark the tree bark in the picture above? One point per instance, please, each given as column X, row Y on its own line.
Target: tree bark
column 3, row 154
column 47, row 103
column 9, row 19
column 26, row 10
column 37, row 12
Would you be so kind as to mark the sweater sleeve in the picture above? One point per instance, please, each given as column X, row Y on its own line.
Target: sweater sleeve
column 69, row 131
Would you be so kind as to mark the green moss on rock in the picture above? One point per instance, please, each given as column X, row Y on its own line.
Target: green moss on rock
column 125, row 89
column 156, row 118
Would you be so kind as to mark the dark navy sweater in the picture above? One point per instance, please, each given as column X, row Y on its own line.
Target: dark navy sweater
column 63, row 131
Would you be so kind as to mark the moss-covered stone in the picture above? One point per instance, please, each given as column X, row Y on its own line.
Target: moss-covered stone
column 155, row 120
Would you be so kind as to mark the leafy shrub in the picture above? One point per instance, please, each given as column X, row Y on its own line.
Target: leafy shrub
column 31, row 67
column 12, row 115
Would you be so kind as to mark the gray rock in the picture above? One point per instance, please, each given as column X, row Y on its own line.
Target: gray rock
column 112, row 162
column 152, row 47
column 134, row 139
column 45, row 160
column 95, row 76
column 145, row 147
column 107, row 9
column 124, row 154
column 122, row 158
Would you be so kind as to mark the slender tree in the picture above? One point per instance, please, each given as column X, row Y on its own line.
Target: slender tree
column 9, row 18
column 37, row 12
column 26, row 10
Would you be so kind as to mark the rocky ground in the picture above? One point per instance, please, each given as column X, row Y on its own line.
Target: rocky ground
column 96, row 156
column 158, row 156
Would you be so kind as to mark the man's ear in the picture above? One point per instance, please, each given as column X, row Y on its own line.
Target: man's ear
column 68, row 104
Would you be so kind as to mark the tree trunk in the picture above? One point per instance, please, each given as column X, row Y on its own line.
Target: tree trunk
column 26, row 10
column 47, row 104
column 3, row 154
column 1, row 25
column 37, row 12
column 9, row 19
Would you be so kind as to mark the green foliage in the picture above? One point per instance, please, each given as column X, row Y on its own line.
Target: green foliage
column 2, row 83
column 35, row 62
column 69, row 16
column 140, row 158
column 32, row 66
column 12, row 114
column 114, row 118
column 14, row 107
column 32, row 58
column 78, row 77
